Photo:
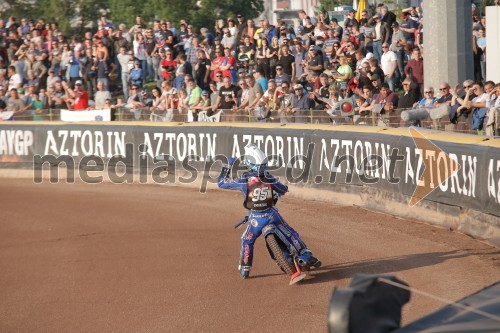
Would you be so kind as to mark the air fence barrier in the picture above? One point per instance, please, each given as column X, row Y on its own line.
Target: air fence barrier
column 397, row 118
column 382, row 169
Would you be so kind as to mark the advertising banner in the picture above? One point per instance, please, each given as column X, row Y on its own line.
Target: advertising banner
column 453, row 173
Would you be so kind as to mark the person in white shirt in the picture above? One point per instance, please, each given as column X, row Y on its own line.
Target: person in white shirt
column 15, row 80
column 389, row 64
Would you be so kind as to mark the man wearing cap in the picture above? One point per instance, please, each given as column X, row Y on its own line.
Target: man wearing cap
column 79, row 98
column 240, row 25
column 408, row 26
column 301, row 104
column 315, row 62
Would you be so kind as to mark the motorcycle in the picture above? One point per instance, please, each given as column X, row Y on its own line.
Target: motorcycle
column 282, row 251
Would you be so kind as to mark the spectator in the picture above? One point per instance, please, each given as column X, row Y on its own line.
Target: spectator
column 382, row 35
column 415, row 68
column 226, row 99
column 78, row 99
column 428, row 100
column 101, row 96
column 389, row 66
column 15, row 80
column 408, row 26
column 300, row 105
column 410, row 95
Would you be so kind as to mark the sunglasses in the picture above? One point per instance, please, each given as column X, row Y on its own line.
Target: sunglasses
column 406, row 84
column 443, row 89
column 278, row 69
column 385, row 47
column 466, row 87
column 284, row 87
column 428, row 92
column 218, row 76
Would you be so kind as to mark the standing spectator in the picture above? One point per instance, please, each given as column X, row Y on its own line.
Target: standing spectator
column 208, row 37
column 481, row 43
column 397, row 46
column 140, row 53
column 228, row 40
column 261, row 79
column 262, row 59
column 136, row 74
column 300, row 105
column 74, row 72
column 415, row 68
column 351, row 19
column 15, row 80
column 217, row 62
column 104, row 68
column 382, row 35
column 240, row 26
column 226, row 99
column 150, row 50
column 408, row 26
column 202, row 70
column 287, row 60
column 79, row 98
column 124, row 58
column 168, row 65
column 389, row 65
column 101, row 96
column 387, row 17
column 229, row 65
column 281, row 76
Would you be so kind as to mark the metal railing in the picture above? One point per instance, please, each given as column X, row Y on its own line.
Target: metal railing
column 392, row 119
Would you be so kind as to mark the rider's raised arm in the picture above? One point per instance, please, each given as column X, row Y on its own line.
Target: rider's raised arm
column 226, row 182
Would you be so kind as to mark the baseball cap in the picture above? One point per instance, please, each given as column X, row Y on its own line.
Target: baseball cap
column 297, row 86
column 239, row 15
column 204, row 92
column 369, row 55
column 241, row 70
column 312, row 48
column 300, row 28
column 78, row 82
column 395, row 24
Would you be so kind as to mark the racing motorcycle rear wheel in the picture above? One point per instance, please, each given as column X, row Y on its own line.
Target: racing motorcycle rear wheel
column 280, row 257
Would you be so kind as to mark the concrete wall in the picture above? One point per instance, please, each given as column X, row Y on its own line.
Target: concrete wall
column 493, row 43
column 448, row 53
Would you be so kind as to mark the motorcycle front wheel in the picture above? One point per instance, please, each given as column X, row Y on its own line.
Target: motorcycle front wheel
column 280, row 257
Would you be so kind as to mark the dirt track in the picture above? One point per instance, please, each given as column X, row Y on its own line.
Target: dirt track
column 145, row 258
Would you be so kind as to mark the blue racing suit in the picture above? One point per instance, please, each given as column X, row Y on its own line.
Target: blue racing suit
column 261, row 192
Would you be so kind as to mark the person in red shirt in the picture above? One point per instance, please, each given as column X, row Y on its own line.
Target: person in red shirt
column 79, row 98
column 168, row 65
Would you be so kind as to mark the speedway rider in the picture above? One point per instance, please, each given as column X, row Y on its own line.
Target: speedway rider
column 261, row 191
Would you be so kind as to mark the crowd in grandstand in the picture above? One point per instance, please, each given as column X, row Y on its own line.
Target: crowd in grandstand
column 266, row 70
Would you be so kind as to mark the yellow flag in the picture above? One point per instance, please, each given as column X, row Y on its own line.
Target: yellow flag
column 361, row 7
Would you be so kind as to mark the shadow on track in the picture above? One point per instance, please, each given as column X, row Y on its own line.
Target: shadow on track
column 389, row 265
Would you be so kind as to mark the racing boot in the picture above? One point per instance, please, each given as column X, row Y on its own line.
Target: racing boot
column 244, row 271
column 307, row 261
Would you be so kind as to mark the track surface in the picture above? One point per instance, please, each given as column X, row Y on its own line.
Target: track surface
column 145, row 258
